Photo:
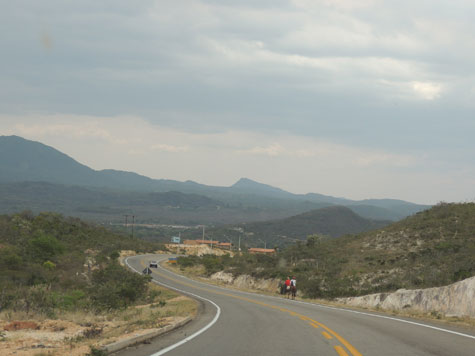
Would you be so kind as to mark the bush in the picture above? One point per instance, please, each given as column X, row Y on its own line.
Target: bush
column 188, row 261
column 73, row 300
column 45, row 247
column 9, row 258
column 96, row 352
column 115, row 287
column 49, row 265
column 212, row 264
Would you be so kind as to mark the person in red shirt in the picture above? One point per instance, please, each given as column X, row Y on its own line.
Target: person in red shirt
column 287, row 283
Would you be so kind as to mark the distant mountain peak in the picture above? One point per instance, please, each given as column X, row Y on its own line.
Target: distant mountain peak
column 24, row 160
column 245, row 182
column 249, row 184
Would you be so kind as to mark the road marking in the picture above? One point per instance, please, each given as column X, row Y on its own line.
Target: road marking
column 340, row 351
column 202, row 330
column 333, row 308
column 327, row 335
column 314, row 325
column 350, row 347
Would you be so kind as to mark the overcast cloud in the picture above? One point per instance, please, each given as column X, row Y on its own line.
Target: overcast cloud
column 359, row 99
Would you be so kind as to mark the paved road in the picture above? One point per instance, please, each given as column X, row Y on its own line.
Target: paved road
column 239, row 323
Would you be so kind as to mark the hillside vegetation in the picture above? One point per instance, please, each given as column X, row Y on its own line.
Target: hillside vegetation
column 432, row 248
column 332, row 221
column 50, row 264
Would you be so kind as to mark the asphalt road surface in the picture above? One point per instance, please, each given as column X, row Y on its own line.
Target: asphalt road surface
column 239, row 323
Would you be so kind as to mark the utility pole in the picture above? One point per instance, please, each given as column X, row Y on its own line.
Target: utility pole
column 265, row 242
column 126, row 216
column 203, row 233
column 230, row 241
column 239, row 244
column 133, row 222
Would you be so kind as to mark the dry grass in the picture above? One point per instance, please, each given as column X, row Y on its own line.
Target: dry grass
column 73, row 332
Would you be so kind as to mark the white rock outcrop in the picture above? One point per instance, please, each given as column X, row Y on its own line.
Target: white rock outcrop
column 457, row 299
column 197, row 250
column 245, row 281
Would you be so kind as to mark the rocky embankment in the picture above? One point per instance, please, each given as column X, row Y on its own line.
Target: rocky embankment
column 196, row 250
column 457, row 299
column 245, row 281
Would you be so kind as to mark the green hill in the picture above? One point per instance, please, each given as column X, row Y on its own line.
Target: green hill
column 432, row 248
column 50, row 263
column 334, row 221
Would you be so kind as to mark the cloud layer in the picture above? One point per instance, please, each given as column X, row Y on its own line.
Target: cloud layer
column 294, row 79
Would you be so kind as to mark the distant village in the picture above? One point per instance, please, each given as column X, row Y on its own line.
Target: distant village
column 221, row 245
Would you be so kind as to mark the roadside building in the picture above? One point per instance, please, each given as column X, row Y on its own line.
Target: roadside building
column 265, row 251
column 224, row 245
column 207, row 242
column 201, row 242
column 190, row 242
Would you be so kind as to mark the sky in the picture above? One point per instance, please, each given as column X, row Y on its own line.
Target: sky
column 355, row 99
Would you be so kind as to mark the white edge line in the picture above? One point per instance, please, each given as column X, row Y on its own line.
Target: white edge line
column 210, row 324
column 329, row 307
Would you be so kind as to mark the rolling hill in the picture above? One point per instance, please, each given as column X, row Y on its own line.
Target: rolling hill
column 28, row 161
column 432, row 248
column 328, row 222
column 334, row 221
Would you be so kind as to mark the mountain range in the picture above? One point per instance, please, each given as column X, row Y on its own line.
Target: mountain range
column 110, row 192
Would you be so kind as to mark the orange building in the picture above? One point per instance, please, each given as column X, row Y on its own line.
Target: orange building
column 207, row 242
column 190, row 242
column 266, row 251
column 225, row 245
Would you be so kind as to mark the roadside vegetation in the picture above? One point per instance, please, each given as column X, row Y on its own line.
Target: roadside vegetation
column 50, row 264
column 65, row 276
column 429, row 249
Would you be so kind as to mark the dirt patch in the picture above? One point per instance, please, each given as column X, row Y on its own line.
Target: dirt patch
column 61, row 337
column 48, row 336
column 178, row 299
column 75, row 332
column 21, row 325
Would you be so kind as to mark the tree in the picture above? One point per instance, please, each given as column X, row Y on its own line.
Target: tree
column 45, row 247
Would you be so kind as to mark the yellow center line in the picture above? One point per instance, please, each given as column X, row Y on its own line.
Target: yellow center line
column 340, row 351
column 314, row 323
column 350, row 347
column 327, row 335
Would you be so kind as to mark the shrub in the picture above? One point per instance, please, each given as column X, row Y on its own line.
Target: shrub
column 49, row 265
column 45, row 247
column 96, row 352
column 188, row 261
column 9, row 258
column 212, row 264
column 115, row 287
column 73, row 300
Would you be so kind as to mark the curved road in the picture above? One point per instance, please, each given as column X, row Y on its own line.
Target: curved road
column 239, row 323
